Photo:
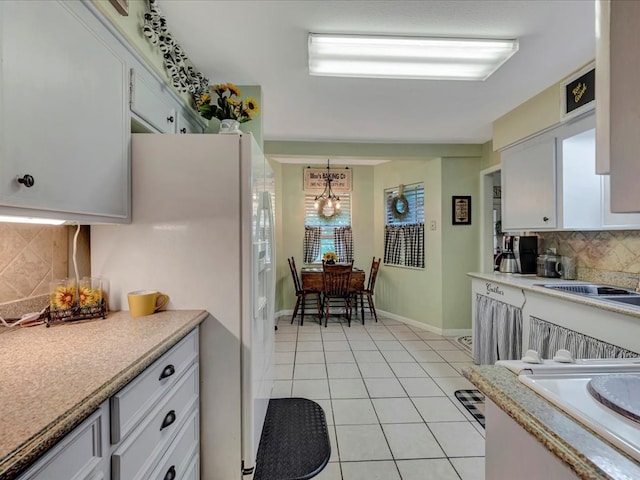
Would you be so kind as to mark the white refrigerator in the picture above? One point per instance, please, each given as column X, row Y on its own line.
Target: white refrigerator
column 202, row 232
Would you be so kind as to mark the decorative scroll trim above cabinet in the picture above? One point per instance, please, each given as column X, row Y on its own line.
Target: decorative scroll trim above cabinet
column 184, row 78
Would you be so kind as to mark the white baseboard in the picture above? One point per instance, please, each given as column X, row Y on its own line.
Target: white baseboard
column 448, row 332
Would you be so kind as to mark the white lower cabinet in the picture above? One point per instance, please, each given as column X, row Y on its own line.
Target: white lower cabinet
column 143, row 449
column 81, row 455
column 512, row 452
column 150, row 429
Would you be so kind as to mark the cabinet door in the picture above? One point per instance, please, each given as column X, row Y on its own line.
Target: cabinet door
column 624, row 113
column 529, row 185
column 81, row 454
column 186, row 125
column 619, row 221
column 151, row 103
column 63, row 115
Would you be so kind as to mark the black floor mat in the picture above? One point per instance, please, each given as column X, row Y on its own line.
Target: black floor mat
column 473, row 401
column 295, row 441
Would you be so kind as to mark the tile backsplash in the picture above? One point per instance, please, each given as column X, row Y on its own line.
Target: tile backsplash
column 30, row 257
column 611, row 257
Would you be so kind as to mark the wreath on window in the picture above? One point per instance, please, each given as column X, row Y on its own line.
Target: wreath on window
column 322, row 215
column 400, row 205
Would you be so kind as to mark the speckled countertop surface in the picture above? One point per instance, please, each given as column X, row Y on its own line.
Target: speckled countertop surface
column 587, row 454
column 53, row 378
column 531, row 283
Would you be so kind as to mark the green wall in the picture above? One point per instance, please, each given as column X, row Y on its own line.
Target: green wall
column 460, row 243
column 411, row 292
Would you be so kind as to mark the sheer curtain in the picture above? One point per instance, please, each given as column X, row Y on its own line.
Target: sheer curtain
column 311, row 247
column 343, row 239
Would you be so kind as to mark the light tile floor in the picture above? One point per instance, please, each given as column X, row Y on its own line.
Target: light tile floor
column 387, row 390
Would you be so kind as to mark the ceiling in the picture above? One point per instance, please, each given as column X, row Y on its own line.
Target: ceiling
column 264, row 43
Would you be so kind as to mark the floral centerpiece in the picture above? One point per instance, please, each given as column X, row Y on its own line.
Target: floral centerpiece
column 330, row 257
column 229, row 104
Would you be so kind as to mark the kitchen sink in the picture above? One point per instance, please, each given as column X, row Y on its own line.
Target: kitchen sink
column 601, row 292
column 630, row 300
column 588, row 289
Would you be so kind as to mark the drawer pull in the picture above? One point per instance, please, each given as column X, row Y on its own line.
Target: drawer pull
column 27, row 181
column 170, row 119
column 171, row 473
column 169, row 418
column 183, row 130
column 545, row 219
column 167, row 372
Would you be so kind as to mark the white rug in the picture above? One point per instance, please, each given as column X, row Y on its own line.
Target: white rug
column 466, row 341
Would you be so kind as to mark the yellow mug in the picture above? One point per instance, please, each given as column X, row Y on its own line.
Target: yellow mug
column 146, row 302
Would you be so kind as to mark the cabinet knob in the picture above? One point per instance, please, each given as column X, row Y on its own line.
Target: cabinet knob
column 27, row 180
column 167, row 372
column 169, row 418
column 170, row 119
column 171, row 473
column 545, row 219
column 183, row 130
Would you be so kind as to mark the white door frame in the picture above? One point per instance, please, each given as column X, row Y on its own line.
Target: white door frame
column 486, row 218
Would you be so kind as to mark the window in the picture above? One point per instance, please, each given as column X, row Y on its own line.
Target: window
column 327, row 227
column 404, row 226
column 415, row 201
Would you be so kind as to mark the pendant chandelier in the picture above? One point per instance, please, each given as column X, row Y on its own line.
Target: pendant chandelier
column 327, row 197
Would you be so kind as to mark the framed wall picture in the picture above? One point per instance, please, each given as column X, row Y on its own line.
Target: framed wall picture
column 122, row 6
column 461, row 210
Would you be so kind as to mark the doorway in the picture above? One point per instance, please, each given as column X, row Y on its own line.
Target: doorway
column 491, row 217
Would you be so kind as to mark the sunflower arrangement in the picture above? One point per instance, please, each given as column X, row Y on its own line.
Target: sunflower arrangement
column 229, row 104
column 330, row 257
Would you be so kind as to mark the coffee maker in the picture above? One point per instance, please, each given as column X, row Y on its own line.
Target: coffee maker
column 525, row 249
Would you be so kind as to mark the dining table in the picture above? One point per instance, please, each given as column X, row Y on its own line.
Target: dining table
column 312, row 280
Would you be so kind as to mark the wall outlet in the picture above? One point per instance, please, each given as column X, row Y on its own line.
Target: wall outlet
column 433, row 225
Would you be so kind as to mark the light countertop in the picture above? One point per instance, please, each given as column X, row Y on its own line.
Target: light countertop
column 588, row 455
column 532, row 284
column 53, row 378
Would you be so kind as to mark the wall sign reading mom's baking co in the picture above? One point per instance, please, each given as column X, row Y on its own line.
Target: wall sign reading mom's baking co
column 579, row 92
column 316, row 179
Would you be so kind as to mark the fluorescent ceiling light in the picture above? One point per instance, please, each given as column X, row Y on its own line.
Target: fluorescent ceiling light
column 407, row 57
column 41, row 221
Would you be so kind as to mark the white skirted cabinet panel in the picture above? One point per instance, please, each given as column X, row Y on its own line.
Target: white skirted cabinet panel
column 511, row 452
column 64, row 123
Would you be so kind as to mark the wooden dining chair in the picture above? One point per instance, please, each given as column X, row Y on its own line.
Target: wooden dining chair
column 303, row 296
column 336, row 280
column 368, row 291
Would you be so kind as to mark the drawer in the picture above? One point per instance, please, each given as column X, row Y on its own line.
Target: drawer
column 77, row 455
column 131, row 404
column 175, row 463
column 193, row 470
column 138, row 453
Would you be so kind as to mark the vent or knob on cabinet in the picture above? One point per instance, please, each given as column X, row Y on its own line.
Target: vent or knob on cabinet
column 546, row 219
column 27, row 181
column 170, row 119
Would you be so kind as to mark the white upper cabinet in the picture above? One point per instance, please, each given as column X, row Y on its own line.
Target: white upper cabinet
column 549, row 183
column 63, row 114
column 618, row 38
column 151, row 103
column 529, row 185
